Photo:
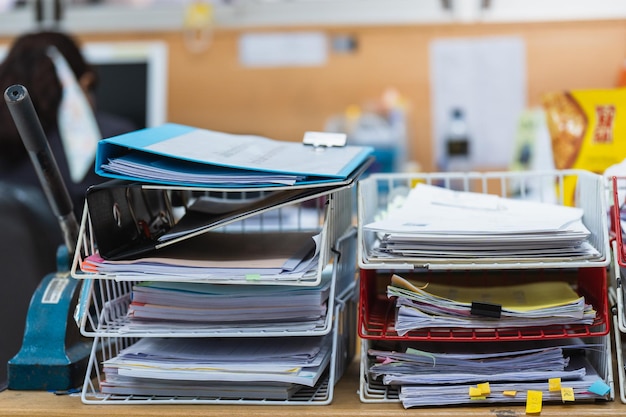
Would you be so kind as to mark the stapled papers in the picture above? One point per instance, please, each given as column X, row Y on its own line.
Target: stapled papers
column 274, row 364
column 182, row 155
column 201, row 306
column 438, row 223
column 247, row 256
column 436, row 305
column 429, row 374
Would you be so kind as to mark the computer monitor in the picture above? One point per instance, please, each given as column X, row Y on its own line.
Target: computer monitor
column 132, row 79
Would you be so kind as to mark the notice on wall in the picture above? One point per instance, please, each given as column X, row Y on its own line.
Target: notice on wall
column 486, row 78
column 278, row 49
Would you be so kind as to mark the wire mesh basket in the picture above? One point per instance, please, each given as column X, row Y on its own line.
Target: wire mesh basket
column 377, row 312
column 327, row 214
column 343, row 336
column 617, row 201
column 372, row 390
column 104, row 307
column 378, row 193
column 616, row 291
column 619, row 338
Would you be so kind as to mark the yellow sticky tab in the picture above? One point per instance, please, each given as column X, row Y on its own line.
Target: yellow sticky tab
column 482, row 397
column 554, row 384
column 567, row 394
column 484, row 388
column 533, row 401
column 510, row 393
column 475, row 392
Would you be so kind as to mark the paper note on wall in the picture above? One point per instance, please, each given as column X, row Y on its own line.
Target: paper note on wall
column 486, row 78
column 289, row 49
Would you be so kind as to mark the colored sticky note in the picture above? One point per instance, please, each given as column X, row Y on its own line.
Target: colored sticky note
column 253, row 277
column 599, row 387
column 484, row 388
column 509, row 393
column 475, row 392
column 567, row 394
column 482, row 397
column 533, row 401
column 554, row 384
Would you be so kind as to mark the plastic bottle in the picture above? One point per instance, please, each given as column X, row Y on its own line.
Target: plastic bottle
column 457, row 147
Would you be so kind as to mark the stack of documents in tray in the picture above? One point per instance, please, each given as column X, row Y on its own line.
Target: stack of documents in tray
column 426, row 376
column 224, row 241
column 435, row 305
column 220, row 256
column 218, row 367
column 196, row 306
column 438, row 223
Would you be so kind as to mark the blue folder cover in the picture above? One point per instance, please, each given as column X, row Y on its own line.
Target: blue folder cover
column 191, row 156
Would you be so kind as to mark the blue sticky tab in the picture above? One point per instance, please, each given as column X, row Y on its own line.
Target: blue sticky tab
column 83, row 299
column 600, row 388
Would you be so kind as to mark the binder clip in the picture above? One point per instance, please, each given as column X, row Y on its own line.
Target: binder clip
column 321, row 140
column 486, row 309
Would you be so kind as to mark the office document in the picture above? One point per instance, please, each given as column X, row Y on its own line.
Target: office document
column 181, row 155
column 243, row 255
column 434, row 222
column 434, row 375
column 271, row 363
column 436, row 305
column 201, row 306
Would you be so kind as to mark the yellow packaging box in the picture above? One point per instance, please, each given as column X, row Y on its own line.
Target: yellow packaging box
column 587, row 130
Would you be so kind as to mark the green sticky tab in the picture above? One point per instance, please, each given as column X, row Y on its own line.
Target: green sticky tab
column 253, row 277
column 417, row 352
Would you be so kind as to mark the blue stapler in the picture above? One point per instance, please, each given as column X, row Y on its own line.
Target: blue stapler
column 53, row 355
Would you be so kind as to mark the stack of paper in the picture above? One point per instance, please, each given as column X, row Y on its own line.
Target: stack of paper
column 165, row 305
column 438, row 223
column 216, row 256
column 144, row 168
column 434, row 305
column 429, row 377
column 269, row 367
column 119, row 385
column 193, row 215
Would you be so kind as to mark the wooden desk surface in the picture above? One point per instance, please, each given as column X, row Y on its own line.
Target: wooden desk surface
column 345, row 403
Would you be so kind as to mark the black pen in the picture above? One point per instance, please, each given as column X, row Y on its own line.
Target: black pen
column 29, row 127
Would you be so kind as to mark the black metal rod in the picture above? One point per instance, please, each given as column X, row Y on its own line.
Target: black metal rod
column 29, row 127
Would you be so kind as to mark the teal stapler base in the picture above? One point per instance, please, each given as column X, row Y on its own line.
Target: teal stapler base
column 53, row 355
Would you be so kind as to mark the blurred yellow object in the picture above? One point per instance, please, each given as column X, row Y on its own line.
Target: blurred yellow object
column 198, row 15
column 198, row 25
column 587, row 129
